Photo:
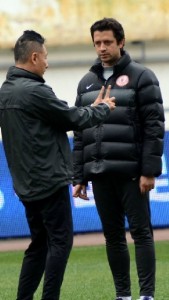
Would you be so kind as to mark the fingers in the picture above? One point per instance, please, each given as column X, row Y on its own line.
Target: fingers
column 76, row 190
column 75, row 194
column 101, row 93
column 100, row 96
column 146, row 184
column 108, row 99
column 112, row 104
column 105, row 98
column 83, row 193
column 145, row 189
column 80, row 191
column 83, row 196
column 107, row 95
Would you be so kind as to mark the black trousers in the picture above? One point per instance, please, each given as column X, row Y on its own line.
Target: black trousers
column 116, row 199
column 50, row 223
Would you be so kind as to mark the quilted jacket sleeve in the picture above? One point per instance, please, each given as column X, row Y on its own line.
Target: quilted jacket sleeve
column 151, row 115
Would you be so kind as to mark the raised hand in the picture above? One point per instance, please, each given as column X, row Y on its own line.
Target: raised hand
column 110, row 101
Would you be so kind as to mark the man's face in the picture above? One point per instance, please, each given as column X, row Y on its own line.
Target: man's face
column 107, row 47
column 40, row 61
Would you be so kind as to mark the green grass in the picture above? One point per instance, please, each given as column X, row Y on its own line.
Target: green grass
column 87, row 275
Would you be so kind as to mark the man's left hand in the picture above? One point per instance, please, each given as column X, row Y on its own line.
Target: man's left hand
column 146, row 184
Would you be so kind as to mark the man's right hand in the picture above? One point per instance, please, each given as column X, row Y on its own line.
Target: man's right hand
column 109, row 101
column 80, row 191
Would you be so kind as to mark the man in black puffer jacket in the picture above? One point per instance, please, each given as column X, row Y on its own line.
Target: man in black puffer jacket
column 34, row 123
column 122, row 157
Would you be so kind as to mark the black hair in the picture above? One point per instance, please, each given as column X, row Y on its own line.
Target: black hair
column 28, row 42
column 108, row 24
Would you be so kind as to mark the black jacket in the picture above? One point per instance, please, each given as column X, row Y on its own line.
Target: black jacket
column 34, row 124
column 130, row 142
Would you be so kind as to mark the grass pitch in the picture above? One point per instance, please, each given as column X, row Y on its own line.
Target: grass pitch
column 87, row 275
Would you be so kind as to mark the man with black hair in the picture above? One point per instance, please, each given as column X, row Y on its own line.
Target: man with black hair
column 34, row 123
column 122, row 156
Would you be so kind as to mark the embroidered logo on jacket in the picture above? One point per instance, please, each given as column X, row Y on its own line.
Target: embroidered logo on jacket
column 122, row 80
column 88, row 86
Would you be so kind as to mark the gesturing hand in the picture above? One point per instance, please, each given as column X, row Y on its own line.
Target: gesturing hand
column 110, row 101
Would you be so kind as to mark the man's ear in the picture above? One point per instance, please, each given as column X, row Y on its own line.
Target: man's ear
column 122, row 43
column 34, row 58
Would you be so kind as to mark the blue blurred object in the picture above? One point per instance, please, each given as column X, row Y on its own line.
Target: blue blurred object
column 12, row 216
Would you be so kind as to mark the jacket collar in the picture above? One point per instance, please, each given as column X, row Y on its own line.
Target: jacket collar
column 117, row 68
column 14, row 72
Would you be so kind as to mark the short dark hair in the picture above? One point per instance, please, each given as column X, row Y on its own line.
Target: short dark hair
column 28, row 42
column 108, row 24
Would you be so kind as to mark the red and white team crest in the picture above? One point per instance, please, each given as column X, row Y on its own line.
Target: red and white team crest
column 122, row 80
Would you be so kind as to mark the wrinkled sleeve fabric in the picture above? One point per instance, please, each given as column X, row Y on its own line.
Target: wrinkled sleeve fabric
column 56, row 111
column 78, row 154
column 78, row 159
column 151, row 113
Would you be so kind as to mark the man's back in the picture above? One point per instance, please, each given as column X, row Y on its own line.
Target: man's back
column 35, row 149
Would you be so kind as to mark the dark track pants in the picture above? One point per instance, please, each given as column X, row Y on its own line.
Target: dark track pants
column 116, row 198
column 50, row 222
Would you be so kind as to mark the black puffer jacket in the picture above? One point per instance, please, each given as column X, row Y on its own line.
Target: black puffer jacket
column 130, row 142
column 34, row 124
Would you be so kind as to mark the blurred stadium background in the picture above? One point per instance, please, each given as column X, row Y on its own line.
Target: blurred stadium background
column 65, row 25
